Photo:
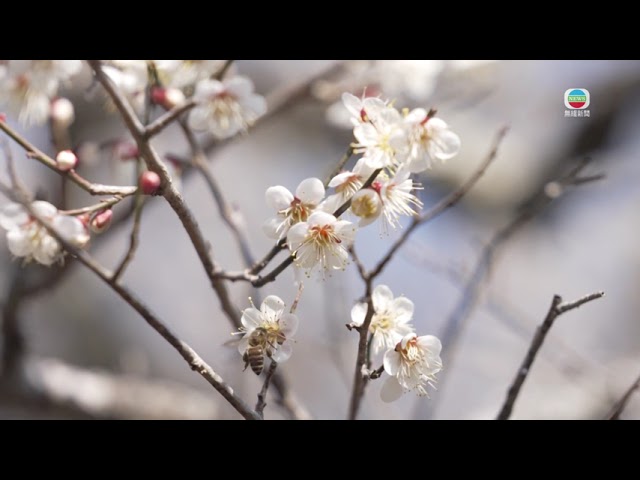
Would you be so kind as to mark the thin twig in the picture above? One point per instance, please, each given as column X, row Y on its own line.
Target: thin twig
column 557, row 308
column 103, row 204
column 338, row 168
column 190, row 356
column 262, row 396
column 360, row 380
column 39, row 155
column 219, row 75
column 167, row 118
column 444, row 204
column 622, row 403
column 134, row 238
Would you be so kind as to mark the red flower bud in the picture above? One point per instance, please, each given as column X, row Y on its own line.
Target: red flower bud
column 149, row 182
column 101, row 221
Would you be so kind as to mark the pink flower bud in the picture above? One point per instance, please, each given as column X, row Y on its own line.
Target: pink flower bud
column 62, row 112
column 126, row 150
column 149, row 182
column 84, row 218
column 66, row 160
column 167, row 97
column 101, row 221
column 3, row 117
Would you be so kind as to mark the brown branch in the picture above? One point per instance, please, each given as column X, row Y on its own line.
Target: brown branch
column 338, row 168
column 166, row 119
column 190, row 356
column 101, row 394
column 444, row 204
column 219, row 75
column 359, row 379
column 39, row 155
column 622, row 403
column 262, row 396
column 175, row 200
column 134, row 238
column 557, row 308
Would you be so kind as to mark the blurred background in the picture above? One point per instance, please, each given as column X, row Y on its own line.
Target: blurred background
column 581, row 242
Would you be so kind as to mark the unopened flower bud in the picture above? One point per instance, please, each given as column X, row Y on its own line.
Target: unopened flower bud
column 126, row 151
column 66, row 160
column 101, row 221
column 3, row 117
column 84, row 218
column 62, row 112
column 167, row 97
column 149, row 182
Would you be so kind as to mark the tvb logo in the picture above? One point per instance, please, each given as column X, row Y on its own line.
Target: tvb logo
column 577, row 98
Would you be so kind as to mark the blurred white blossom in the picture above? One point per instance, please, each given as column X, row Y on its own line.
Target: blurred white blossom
column 27, row 238
column 183, row 73
column 430, row 139
column 382, row 139
column 27, row 87
column 391, row 318
column 412, row 365
column 226, row 108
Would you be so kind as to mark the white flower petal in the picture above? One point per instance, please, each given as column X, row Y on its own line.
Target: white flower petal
column 283, row 353
column 340, row 179
column 251, row 318
column 272, row 307
column 382, row 297
column 297, row 235
column 239, row 86
column 310, row 190
column 289, row 324
column 256, row 104
column 71, row 229
column 352, row 103
column 278, row 197
column 199, row 118
column 44, row 209
column 48, row 251
column 205, row 89
column 321, row 218
column 445, row 145
column 243, row 344
column 13, row 215
column 273, row 228
column 19, row 242
column 403, row 309
column 392, row 362
column 358, row 312
column 430, row 343
column 391, row 390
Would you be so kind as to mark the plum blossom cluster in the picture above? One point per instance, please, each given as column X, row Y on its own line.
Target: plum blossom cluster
column 224, row 107
column 412, row 362
column 393, row 146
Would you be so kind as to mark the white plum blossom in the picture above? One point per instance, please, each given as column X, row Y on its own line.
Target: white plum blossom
column 131, row 77
column 278, row 327
column 27, row 87
column 387, row 197
column 226, row 108
column 412, row 365
column 362, row 109
column 346, row 184
column 415, row 79
column 382, row 140
column 183, row 73
column 430, row 139
column 391, row 318
column 27, row 238
column 321, row 241
column 291, row 209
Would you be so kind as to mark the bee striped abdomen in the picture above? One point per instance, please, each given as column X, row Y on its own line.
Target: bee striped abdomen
column 254, row 356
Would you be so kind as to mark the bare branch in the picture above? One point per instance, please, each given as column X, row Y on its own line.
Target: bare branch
column 262, row 396
column 100, row 394
column 622, row 403
column 444, row 204
column 225, row 68
column 166, row 119
column 134, row 238
column 557, row 308
column 39, row 155
column 190, row 356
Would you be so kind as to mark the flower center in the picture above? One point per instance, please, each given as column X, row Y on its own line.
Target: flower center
column 323, row 235
column 225, row 109
column 350, row 185
column 364, row 206
column 297, row 211
column 381, row 322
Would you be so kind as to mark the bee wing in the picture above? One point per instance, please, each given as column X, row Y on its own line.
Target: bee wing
column 234, row 342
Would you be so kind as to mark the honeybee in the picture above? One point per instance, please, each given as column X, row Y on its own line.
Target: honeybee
column 261, row 342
